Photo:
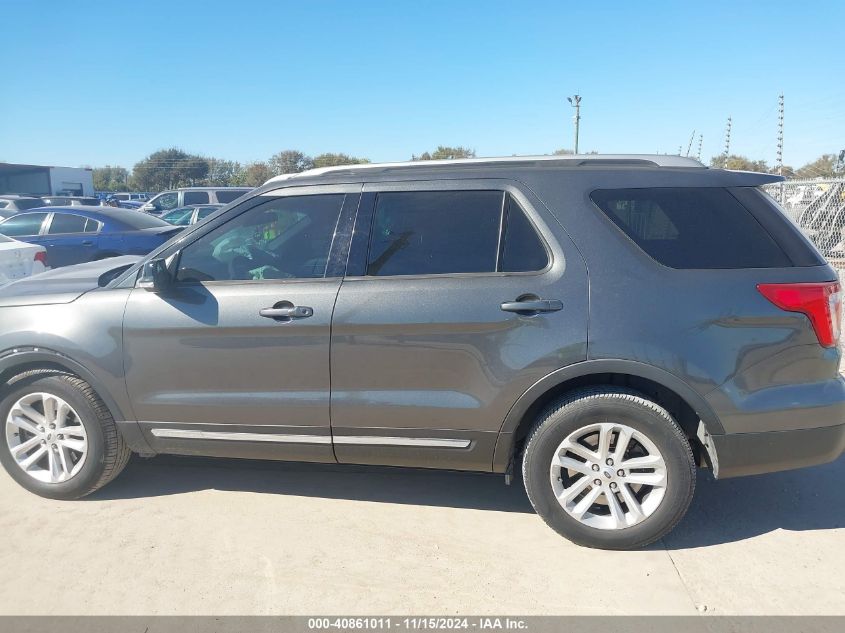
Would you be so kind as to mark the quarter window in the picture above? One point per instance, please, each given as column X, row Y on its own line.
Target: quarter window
column 522, row 248
column 284, row 238
column 691, row 227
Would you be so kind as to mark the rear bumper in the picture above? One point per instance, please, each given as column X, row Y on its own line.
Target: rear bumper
column 742, row 454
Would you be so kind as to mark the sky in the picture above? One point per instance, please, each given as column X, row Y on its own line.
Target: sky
column 96, row 83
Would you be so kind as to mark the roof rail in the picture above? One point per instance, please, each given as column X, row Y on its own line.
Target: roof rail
column 572, row 160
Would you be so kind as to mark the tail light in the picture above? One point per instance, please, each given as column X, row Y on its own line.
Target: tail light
column 821, row 302
column 41, row 256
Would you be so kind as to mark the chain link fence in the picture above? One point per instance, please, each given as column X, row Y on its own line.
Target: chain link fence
column 818, row 208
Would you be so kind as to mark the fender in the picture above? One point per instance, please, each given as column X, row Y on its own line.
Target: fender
column 11, row 360
column 504, row 445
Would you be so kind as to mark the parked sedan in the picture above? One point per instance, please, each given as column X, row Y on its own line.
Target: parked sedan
column 73, row 235
column 64, row 201
column 19, row 259
column 185, row 216
column 11, row 204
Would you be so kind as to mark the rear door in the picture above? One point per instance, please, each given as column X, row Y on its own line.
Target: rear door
column 70, row 239
column 458, row 297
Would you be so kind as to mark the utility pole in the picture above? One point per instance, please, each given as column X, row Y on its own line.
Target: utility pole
column 727, row 142
column 576, row 103
column 700, row 141
column 689, row 145
column 780, row 143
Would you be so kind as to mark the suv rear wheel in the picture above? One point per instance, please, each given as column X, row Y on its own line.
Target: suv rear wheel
column 608, row 468
column 59, row 440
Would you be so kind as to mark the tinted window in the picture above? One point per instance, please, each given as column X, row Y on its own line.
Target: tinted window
column 67, row 223
column 91, row 226
column 23, row 224
column 195, row 197
column 204, row 212
column 225, row 197
column 691, row 227
column 522, row 248
column 132, row 220
column 3, row 204
column 29, row 203
column 435, row 232
column 284, row 238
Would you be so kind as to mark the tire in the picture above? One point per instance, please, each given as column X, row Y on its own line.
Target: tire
column 571, row 427
column 105, row 452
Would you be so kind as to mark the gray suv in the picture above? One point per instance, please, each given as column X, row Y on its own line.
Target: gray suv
column 604, row 325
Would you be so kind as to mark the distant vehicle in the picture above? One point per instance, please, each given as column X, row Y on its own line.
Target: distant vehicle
column 11, row 204
column 64, row 201
column 19, row 259
column 135, row 205
column 185, row 216
column 77, row 234
column 127, row 195
column 189, row 196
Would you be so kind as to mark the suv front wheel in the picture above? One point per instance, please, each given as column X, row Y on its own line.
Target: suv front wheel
column 60, row 440
column 607, row 468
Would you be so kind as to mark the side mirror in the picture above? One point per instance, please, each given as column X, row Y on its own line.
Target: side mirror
column 155, row 276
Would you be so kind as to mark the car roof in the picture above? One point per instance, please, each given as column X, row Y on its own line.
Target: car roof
column 593, row 168
column 564, row 161
column 208, row 189
column 87, row 210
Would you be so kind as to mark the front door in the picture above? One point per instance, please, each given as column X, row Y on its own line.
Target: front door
column 234, row 359
column 459, row 296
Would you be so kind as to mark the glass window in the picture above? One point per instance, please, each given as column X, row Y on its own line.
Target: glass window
column 3, row 204
column 22, row 224
column 522, row 248
column 165, row 201
column 691, row 227
column 195, row 197
column 67, row 223
column 92, row 226
column 435, row 232
column 204, row 212
column 283, row 238
column 28, row 203
column 225, row 197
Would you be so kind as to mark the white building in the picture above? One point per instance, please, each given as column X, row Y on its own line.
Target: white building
column 46, row 180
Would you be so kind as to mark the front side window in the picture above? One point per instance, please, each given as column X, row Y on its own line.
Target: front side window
column 166, row 201
column 23, row 224
column 67, row 223
column 447, row 232
column 284, row 238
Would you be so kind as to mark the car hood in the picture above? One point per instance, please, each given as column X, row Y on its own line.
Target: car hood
column 61, row 285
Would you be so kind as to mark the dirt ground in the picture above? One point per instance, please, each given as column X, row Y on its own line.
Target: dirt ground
column 177, row 535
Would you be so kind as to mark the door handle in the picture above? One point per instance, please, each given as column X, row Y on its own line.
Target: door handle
column 288, row 312
column 87, row 243
column 533, row 306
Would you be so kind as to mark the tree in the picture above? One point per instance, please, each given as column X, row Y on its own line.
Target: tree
column 169, row 168
column 737, row 162
column 563, row 152
column 110, row 178
column 222, row 173
column 253, row 175
column 332, row 160
column 446, row 153
column 289, row 161
column 825, row 166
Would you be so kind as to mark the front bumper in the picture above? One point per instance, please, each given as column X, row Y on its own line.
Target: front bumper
column 742, row 454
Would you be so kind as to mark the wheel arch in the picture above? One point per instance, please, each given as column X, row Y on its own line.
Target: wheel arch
column 17, row 361
column 666, row 389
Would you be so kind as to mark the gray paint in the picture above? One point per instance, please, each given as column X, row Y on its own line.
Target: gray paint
column 434, row 357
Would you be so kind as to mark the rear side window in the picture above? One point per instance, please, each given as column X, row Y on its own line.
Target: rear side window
column 67, row 223
column 691, row 227
column 195, row 197
column 447, row 232
column 225, row 197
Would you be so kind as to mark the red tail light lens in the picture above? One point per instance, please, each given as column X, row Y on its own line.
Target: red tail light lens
column 41, row 256
column 822, row 303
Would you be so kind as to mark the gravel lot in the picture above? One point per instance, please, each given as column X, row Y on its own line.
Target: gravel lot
column 176, row 535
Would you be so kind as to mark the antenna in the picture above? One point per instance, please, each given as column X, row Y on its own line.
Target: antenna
column 700, row 141
column 727, row 142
